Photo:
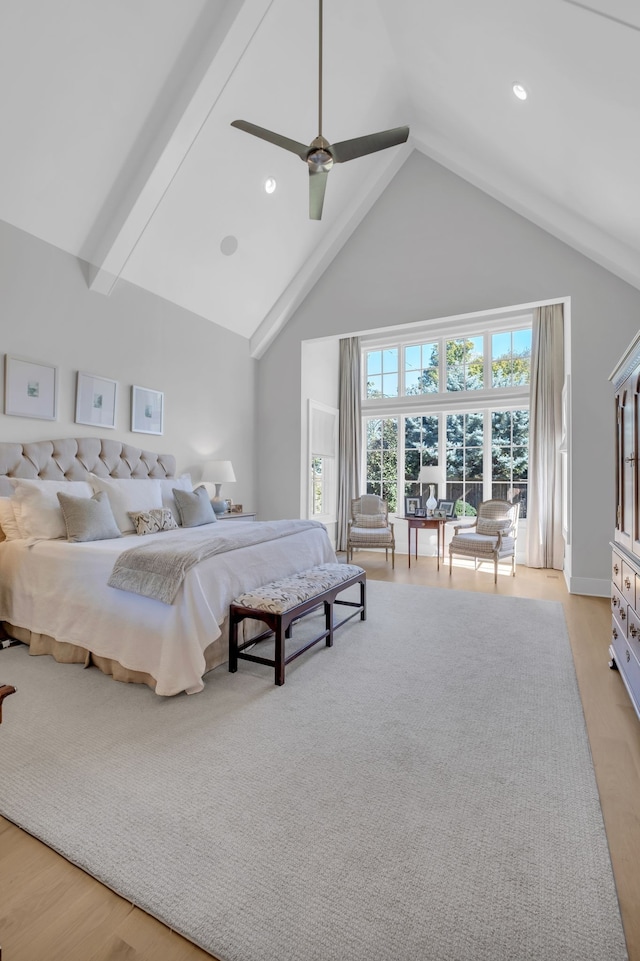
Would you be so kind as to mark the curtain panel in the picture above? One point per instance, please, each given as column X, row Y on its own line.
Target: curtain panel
column 350, row 429
column 545, row 543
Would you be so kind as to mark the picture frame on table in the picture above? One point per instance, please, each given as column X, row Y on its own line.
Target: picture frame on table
column 412, row 504
column 421, row 512
column 147, row 410
column 96, row 400
column 447, row 507
column 30, row 388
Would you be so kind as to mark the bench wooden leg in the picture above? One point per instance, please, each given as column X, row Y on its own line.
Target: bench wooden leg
column 233, row 645
column 328, row 623
column 279, row 653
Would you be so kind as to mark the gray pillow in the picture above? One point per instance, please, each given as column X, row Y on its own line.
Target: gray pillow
column 88, row 518
column 194, row 507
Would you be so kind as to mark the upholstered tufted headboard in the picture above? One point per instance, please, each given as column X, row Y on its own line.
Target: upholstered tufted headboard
column 74, row 458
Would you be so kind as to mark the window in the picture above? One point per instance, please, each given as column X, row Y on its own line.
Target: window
column 510, row 456
column 465, row 461
column 318, row 486
column 511, row 358
column 382, row 459
column 460, row 400
column 421, row 374
column 382, row 373
column 323, row 451
column 465, row 364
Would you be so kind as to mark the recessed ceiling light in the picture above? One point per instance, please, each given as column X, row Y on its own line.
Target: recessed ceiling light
column 270, row 185
column 520, row 91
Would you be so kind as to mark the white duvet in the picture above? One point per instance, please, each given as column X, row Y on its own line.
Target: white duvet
column 58, row 588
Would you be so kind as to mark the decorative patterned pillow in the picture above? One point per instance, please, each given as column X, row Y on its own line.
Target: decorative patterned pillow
column 153, row 521
column 488, row 526
column 370, row 520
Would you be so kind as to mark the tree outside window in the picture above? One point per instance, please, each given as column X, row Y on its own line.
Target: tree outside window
column 465, row 363
column 421, row 375
column 382, row 459
column 510, row 456
column 511, row 358
column 465, row 462
column 421, row 435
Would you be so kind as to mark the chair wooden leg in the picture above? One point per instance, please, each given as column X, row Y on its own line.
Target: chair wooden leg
column 393, row 558
column 450, row 562
column 495, row 571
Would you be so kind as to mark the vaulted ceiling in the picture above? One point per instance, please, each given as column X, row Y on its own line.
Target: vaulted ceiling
column 117, row 145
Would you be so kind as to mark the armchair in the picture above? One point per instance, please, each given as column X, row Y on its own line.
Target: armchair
column 369, row 527
column 492, row 536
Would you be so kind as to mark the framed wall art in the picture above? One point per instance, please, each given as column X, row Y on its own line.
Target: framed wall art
column 147, row 410
column 30, row 388
column 95, row 400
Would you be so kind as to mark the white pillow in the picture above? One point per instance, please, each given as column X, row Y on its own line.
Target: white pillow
column 37, row 509
column 167, row 486
column 129, row 495
column 8, row 521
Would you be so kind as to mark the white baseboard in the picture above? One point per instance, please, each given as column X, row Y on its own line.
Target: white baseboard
column 593, row 586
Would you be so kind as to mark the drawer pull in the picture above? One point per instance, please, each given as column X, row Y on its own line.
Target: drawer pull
column 615, row 568
column 615, row 634
column 614, row 601
column 622, row 614
column 627, row 583
column 633, row 630
column 628, row 656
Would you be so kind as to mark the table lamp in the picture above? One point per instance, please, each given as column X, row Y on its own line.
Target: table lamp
column 431, row 476
column 218, row 472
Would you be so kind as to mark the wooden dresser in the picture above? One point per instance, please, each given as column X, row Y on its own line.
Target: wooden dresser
column 625, row 560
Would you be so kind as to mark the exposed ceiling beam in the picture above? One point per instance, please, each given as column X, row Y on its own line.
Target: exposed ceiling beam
column 208, row 61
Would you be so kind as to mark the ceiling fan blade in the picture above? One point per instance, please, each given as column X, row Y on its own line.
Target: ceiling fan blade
column 317, row 187
column 361, row 146
column 300, row 149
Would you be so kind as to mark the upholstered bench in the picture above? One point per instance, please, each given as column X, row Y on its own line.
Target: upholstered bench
column 280, row 603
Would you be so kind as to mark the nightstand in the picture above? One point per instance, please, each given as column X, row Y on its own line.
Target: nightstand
column 245, row 516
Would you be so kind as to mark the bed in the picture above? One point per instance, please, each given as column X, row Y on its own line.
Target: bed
column 55, row 596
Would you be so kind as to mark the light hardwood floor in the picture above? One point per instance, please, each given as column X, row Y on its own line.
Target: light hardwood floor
column 52, row 911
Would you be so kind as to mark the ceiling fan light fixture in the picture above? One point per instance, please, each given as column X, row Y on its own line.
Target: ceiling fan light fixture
column 320, row 155
column 270, row 185
column 519, row 90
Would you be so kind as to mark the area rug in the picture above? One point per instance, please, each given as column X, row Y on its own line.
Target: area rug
column 423, row 791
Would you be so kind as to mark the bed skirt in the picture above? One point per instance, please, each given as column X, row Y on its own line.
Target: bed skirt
column 215, row 654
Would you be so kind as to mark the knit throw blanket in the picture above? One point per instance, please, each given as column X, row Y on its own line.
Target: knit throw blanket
column 158, row 569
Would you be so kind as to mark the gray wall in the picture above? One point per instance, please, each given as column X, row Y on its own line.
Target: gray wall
column 48, row 314
column 434, row 246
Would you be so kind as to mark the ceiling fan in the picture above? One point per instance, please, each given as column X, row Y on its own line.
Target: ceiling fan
column 320, row 155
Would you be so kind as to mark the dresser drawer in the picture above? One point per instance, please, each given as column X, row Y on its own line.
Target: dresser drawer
column 619, row 608
column 629, row 667
column 628, row 583
column 616, row 570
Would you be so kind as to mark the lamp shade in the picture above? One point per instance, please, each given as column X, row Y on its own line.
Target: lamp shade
column 218, row 472
column 430, row 475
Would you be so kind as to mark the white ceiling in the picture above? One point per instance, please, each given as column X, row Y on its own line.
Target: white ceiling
column 117, row 144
